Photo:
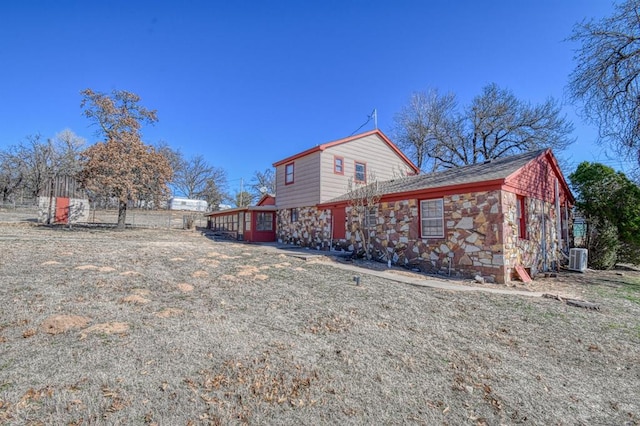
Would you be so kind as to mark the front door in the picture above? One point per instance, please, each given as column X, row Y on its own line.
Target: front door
column 339, row 220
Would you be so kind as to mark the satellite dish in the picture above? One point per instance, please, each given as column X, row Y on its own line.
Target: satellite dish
column 263, row 189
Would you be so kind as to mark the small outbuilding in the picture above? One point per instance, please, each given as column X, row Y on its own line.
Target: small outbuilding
column 252, row 223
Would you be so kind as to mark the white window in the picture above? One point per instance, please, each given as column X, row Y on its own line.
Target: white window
column 361, row 172
column 432, row 218
column 371, row 218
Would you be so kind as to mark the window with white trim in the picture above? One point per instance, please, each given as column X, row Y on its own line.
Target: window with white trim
column 361, row 172
column 371, row 217
column 338, row 165
column 432, row 218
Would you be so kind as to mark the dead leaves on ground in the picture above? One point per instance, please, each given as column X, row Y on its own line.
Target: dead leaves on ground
column 237, row 385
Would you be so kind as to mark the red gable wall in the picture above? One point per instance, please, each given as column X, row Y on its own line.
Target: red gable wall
column 537, row 180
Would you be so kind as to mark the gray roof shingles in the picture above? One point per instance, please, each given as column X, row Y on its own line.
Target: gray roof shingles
column 499, row 168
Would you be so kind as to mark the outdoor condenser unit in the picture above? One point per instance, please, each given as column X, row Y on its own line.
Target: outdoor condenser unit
column 578, row 259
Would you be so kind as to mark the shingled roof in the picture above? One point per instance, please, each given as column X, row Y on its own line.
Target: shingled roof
column 493, row 170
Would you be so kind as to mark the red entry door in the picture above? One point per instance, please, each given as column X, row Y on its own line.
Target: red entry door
column 62, row 210
column 339, row 219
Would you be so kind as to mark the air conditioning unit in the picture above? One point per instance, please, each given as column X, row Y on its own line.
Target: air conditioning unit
column 578, row 259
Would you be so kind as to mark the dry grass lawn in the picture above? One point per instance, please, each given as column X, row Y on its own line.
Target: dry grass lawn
column 171, row 328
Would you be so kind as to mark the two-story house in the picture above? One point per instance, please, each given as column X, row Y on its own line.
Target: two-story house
column 485, row 219
column 321, row 173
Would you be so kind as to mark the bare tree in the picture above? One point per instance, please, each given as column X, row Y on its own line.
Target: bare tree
column 12, row 173
column 195, row 176
column 496, row 124
column 263, row 183
column 606, row 78
column 420, row 125
column 67, row 147
column 30, row 164
column 363, row 200
column 122, row 166
column 242, row 199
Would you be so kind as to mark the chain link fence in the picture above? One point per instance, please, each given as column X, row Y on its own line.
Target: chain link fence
column 136, row 218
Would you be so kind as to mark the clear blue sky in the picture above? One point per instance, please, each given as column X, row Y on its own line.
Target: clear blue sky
column 247, row 83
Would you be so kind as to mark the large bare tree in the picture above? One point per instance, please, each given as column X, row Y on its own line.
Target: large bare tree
column 263, row 183
column 30, row 164
column 195, row 178
column 122, row 166
column 421, row 124
column 437, row 134
column 606, row 78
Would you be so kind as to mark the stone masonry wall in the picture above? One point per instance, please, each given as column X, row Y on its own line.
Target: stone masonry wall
column 472, row 244
column 541, row 233
column 312, row 229
column 481, row 235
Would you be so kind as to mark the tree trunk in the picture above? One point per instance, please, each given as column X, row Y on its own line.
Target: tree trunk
column 122, row 214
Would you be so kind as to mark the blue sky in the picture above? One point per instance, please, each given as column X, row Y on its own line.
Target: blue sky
column 247, row 83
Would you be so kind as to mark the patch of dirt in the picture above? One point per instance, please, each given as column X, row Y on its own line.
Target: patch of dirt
column 106, row 328
column 200, row 274
column 227, row 277
column 57, row 324
column 135, row 299
column 185, row 288
column 50, row 262
column 169, row 312
column 95, row 268
column 129, row 273
column 209, row 262
column 247, row 270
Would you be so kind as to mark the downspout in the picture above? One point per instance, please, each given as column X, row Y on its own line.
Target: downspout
column 331, row 231
column 558, row 218
column 544, row 239
column 566, row 217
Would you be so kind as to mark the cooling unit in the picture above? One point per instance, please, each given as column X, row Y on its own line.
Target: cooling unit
column 578, row 259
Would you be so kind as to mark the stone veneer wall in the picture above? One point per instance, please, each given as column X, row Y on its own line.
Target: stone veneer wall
column 472, row 244
column 481, row 235
column 313, row 228
column 528, row 252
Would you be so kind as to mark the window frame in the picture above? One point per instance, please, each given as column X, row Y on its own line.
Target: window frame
column 355, row 171
column 295, row 215
column 261, row 221
column 369, row 214
column 288, row 181
column 439, row 218
column 338, row 170
column 521, row 217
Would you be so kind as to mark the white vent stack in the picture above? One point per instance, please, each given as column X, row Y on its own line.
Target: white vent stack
column 578, row 259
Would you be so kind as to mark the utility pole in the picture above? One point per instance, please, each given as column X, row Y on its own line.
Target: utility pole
column 375, row 118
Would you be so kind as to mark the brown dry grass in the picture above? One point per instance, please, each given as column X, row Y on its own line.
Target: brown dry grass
column 235, row 333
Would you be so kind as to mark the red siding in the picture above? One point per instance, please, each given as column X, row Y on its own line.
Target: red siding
column 537, row 180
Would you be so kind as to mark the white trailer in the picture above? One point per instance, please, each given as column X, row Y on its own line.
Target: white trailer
column 178, row 203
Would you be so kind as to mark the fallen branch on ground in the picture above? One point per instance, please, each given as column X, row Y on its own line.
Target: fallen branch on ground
column 573, row 302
